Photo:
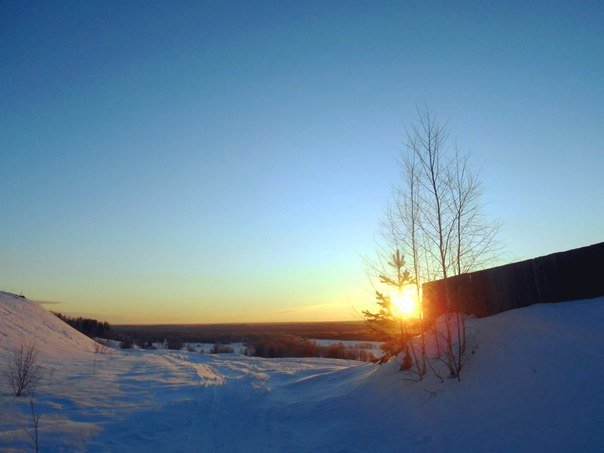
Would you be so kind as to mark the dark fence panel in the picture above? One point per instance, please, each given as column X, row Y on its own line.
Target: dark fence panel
column 570, row 275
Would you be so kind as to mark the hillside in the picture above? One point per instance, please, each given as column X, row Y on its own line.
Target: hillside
column 534, row 383
column 24, row 320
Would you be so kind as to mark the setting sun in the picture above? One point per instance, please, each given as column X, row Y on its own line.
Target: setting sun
column 405, row 302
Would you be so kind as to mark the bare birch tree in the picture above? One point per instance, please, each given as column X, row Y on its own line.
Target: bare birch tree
column 436, row 219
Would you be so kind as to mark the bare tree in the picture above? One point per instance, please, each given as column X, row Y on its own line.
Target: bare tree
column 23, row 368
column 34, row 435
column 436, row 218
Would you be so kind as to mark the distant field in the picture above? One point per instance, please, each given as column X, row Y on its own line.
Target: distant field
column 232, row 333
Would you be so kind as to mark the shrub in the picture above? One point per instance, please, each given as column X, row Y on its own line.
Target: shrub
column 23, row 369
column 338, row 351
column 174, row 344
column 222, row 349
column 294, row 346
column 284, row 345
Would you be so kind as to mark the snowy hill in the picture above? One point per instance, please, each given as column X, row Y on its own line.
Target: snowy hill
column 534, row 384
column 23, row 320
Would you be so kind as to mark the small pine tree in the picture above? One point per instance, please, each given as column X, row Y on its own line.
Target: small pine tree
column 396, row 331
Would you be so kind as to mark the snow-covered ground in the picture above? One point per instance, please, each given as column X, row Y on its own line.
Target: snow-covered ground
column 534, row 384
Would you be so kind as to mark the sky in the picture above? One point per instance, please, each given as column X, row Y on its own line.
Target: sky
column 230, row 161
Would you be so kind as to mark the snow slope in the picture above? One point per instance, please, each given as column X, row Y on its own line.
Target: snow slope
column 534, row 384
column 22, row 320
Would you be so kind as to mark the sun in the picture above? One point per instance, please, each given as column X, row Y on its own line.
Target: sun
column 405, row 302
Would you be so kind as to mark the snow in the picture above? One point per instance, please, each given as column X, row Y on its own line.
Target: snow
column 22, row 319
column 534, row 383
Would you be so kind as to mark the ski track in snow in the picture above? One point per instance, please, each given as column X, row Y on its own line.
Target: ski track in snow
column 533, row 384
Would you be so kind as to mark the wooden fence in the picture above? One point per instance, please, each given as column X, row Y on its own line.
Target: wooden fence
column 570, row 275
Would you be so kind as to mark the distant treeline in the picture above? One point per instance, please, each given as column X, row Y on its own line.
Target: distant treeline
column 88, row 326
column 293, row 346
column 262, row 340
column 242, row 333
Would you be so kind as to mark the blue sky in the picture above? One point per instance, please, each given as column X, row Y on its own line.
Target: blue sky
column 226, row 161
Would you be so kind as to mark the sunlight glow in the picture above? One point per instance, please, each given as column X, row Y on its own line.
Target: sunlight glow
column 405, row 302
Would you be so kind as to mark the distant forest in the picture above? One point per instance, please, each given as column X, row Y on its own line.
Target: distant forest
column 263, row 339
column 244, row 333
column 89, row 327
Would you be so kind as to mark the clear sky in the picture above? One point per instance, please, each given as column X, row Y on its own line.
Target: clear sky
column 230, row 161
